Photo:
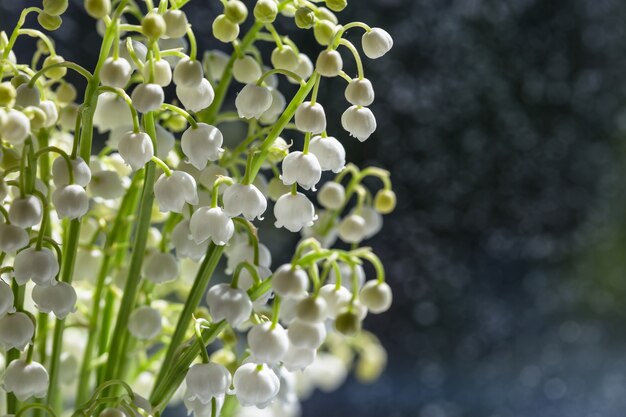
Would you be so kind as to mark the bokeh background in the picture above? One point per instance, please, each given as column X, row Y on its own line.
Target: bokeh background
column 502, row 123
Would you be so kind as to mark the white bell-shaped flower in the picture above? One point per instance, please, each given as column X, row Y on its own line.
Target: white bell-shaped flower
column 111, row 112
column 107, row 185
column 16, row 331
column 80, row 169
column 298, row 358
column 60, row 299
column 185, row 245
column 6, row 299
column 210, row 174
column 335, row 298
column 140, row 49
column 202, row 144
column 200, row 409
column 268, row 343
column 252, row 101
column 196, row 98
column 173, row 192
column 359, row 122
column 71, row 201
column 26, row 380
column 310, row 118
column 207, row 380
column 176, row 23
column 160, row 267
column 12, row 238
column 352, row 228
column 162, row 74
column 276, row 108
column 306, row 334
column 329, row 63
column 38, row 265
column 246, row 200
column 211, row 223
column 255, row 384
column 284, row 57
column 188, row 73
column 346, row 275
column 145, row 323
column 115, row 72
column 376, row 43
column 228, row 303
column 50, row 110
column 25, row 96
column 329, row 152
column 360, row 92
column 165, row 141
column 332, row 195
column 290, row 282
column 214, row 63
column 15, row 127
column 247, row 70
column 136, row 149
column 293, row 212
column 303, row 168
column 243, row 251
column 304, row 68
column 147, row 97
column 373, row 221
column 25, row 211
column 376, row 296
column 311, row 309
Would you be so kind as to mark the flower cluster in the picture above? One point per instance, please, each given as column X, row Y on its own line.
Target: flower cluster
column 106, row 257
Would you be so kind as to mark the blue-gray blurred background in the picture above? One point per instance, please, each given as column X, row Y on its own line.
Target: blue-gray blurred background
column 502, row 123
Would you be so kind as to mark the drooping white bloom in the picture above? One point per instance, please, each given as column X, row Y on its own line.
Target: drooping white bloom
column 276, row 108
column 147, row 97
column 200, row 409
column 15, row 127
column 165, row 141
column 293, row 212
column 376, row 296
column 115, row 72
column 173, row 192
column 16, row 331
column 268, row 344
column 211, row 223
column 246, row 70
column 25, row 211
column 26, row 380
column 184, row 244
column 329, row 152
column 111, row 112
column 298, row 358
column 106, row 184
column 231, row 304
column 284, row 58
column 50, row 110
column 196, row 98
column 244, row 251
column 6, row 299
column 59, row 299
column 360, row 92
column 332, row 195
column 188, row 73
column 12, row 238
column 160, row 267
column 139, row 48
column 202, row 144
column 306, row 334
column 252, row 101
column 311, row 309
column 347, row 274
column 175, row 23
column 145, row 323
column 70, row 201
column 359, row 122
column 25, row 96
column 207, row 380
column 162, row 74
column 376, row 43
column 80, row 169
column 244, row 199
column 310, row 118
column 303, row 168
column 255, row 384
column 329, row 63
column 214, row 62
column 136, row 149
column 38, row 265
column 373, row 221
column 335, row 298
column 352, row 228
column 290, row 282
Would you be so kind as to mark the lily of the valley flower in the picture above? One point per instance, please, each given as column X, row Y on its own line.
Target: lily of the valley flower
column 16, row 331
column 26, row 379
column 231, row 304
column 59, row 299
column 71, row 201
column 255, row 384
column 310, row 118
column 174, row 191
column 376, row 43
column 246, row 200
column 202, row 144
column 211, row 223
column 145, row 323
column 359, row 122
column 207, row 380
column 303, row 168
column 136, row 149
column 38, row 265
column 293, row 212
column 252, row 101
column 329, row 152
column 268, row 343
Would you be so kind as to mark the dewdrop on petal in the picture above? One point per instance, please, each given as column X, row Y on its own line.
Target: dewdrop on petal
column 160, row 267
column 306, row 334
column 330, row 153
column 115, row 72
column 15, row 127
column 228, row 303
column 188, row 73
column 376, row 296
column 136, row 149
column 244, row 199
column 207, row 380
column 6, row 299
column 252, row 101
column 176, row 23
column 302, row 168
column 332, row 195
column 293, row 212
column 255, row 384
column 290, row 282
column 184, row 244
column 360, row 92
column 329, row 63
column 298, row 358
column 310, row 118
column 359, row 122
column 211, row 223
column 173, row 192
column 16, row 331
column 145, row 323
column 162, row 74
column 352, row 228
column 147, row 97
column 246, row 70
column 196, row 98
column 25, row 211
column 376, row 43
column 59, row 299
column 268, row 343
column 38, row 265
column 12, row 238
column 80, row 169
column 26, row 380
column 202, row 144
column 71, row 201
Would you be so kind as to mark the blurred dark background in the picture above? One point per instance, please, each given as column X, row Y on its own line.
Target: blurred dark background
column 502, row 123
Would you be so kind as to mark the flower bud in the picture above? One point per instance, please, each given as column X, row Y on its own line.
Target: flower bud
column 7, row 93
column 376, row 296
column 16, row 331
column 310, row 118
column 329, row 152
column 98, row 8
column 360, row 92
column 19, row 79
column 231, row 304
column 236, row 11
column 246, row 70
column 159, row 267
column 173, row 192
column 252, row 101
column 202, row 144
column 265, row 11
column 37, row 117
column 80, row 169
column 336, row 5
column 27, row 96
column 322, row 13
column 66, row 93
column 348, row 323
column 12, row 238
column 15, row 127
column 153, row 25
column 40, row 266
column 145, row 323
column 54, row 73
column 268, row 343
column 49, row 108
column 329, row 63
column 147, row 97
column 335, row 298
column 70, row 201
column 298, row 358
column 175, row 23
column 305, row 18
column 293, row 212
column 211, row 223
column 55, row 7
column 306, row 334
column 359, row 122
column 26, row 379
column 385, row 201
column 207, row 380
column 284, row 58
column 244, row 199
column 352, row 228
column 304, row 68
column 324, row 31
column 214, row 63
column 376, row 43
column 25, row 211
column 60, row 299
column 224, row 30
column 332, row 195
column 311, row 309
column 141, row 51
column 196, row 98
column 373, row 221
column 115, row 72
column 301, row 168
column 277, row 189
column 48, row 21
column 188, row 73
column 290, row 282
column 162, row 74
column 136, row 149
column 255, row 385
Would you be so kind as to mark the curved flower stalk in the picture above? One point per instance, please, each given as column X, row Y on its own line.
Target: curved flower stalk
column 106, row 262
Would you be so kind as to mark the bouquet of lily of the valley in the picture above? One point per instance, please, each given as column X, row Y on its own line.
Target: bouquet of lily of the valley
column 107, row 253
